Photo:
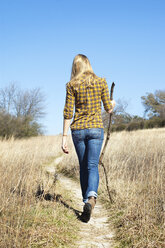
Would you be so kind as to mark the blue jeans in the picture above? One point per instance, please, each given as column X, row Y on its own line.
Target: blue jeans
column 88, row 143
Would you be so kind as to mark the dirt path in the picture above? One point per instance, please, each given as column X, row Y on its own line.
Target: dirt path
column 96, row 233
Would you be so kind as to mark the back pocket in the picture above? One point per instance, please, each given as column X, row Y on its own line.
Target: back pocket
column 96, row 133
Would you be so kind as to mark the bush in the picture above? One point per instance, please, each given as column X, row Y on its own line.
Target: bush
column 121, row 127
column 154, row 122
column 20, row 111
column 18, row 126
column 133, row 126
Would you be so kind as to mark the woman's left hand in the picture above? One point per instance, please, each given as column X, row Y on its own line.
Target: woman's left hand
column 113, row 105
column 64, row 144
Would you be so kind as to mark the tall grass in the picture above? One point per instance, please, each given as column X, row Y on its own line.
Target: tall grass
column 24, row 220
column 135, row 162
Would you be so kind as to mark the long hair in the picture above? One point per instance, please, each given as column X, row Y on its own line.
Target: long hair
column 81, row 65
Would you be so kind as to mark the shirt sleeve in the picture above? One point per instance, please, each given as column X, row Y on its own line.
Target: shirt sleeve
column 69, row 102
column 105, row 97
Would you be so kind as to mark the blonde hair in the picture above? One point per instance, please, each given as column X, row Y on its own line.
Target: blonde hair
column 81, row 65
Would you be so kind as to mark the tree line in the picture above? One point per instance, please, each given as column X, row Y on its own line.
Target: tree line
column 20, row 112
column 154, row 114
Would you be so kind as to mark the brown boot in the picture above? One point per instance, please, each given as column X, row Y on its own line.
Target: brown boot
column 92, row 201
column 88, row 207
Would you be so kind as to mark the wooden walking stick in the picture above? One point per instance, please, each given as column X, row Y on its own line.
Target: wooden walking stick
column 105, row 145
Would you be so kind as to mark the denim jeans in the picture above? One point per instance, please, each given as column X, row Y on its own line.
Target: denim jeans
column 88, row 143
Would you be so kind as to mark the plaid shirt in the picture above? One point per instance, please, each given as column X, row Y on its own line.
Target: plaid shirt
column 87, row 101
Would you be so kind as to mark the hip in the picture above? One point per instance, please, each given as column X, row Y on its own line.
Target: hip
column 87, row 134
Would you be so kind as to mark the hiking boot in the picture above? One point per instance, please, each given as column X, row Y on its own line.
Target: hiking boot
column 87, row 210
column 92, row 201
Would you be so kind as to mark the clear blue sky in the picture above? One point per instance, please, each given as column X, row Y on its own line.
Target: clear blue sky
column 123, row 39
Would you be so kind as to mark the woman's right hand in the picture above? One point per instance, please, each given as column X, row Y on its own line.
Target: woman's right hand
column 64, row 145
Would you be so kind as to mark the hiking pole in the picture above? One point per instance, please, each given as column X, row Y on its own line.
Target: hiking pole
column 105, row 145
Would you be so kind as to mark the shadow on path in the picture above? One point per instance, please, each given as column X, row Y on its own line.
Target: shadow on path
column 76, row 212
column 53, row 197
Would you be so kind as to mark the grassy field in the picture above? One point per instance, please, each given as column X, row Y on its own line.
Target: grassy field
column 135, row 162
column 24, row 220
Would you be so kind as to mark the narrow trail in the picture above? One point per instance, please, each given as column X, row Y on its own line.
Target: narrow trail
column 96, row 233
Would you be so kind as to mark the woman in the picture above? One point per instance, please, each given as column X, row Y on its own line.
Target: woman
column 85, row 91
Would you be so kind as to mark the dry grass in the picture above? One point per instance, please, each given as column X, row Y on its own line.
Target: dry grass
column 136, row 170
column 24, row 220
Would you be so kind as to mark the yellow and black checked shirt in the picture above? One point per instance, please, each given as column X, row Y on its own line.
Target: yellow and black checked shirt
column 87, row 101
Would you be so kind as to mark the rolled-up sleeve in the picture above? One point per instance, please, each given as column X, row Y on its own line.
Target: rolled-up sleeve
column 105, row 97
column 69, row 102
